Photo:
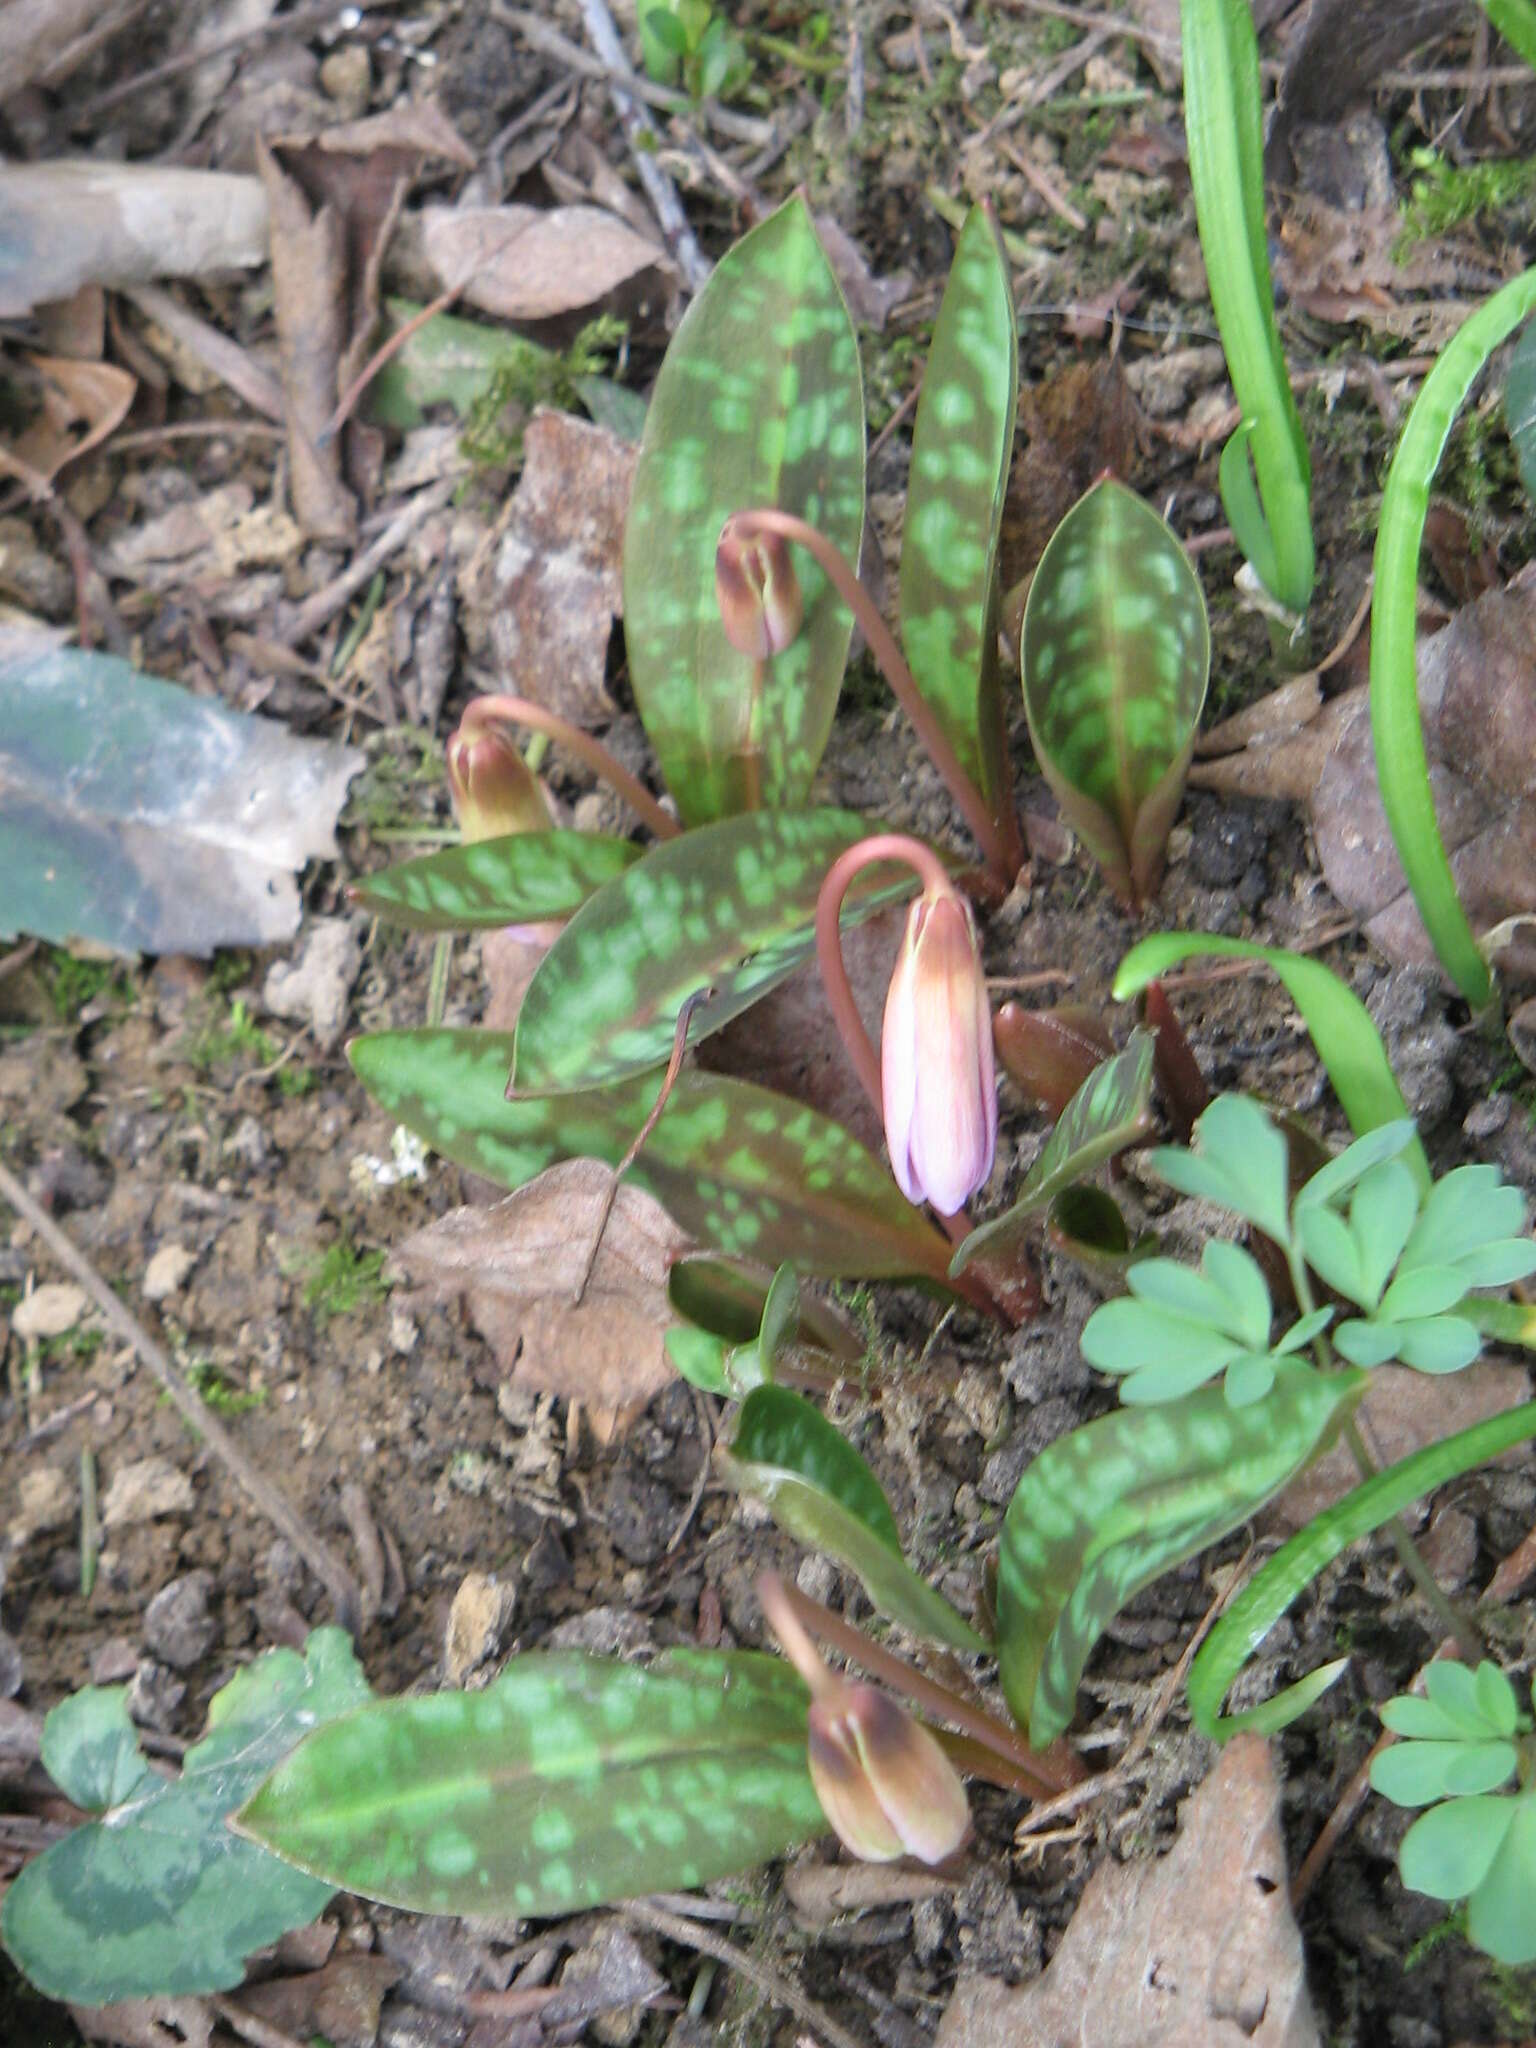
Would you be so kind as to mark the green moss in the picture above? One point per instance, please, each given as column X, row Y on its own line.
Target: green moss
column 1445, row 196
column 342, row 1279
column 72, row 984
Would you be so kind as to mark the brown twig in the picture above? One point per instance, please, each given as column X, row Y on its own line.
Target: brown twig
column 383, row 354
column 318, row 610
column 782, row 1990
column 332, row 1574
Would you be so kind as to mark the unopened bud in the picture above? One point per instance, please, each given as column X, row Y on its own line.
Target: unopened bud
column 937, row 1074
column 494, row 790
column 884, row 1783
column 758, row 592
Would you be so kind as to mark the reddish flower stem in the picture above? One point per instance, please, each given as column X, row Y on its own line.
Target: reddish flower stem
column 498, row 709
column 998, row 837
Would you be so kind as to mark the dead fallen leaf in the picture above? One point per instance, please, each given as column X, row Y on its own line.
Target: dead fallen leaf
column 524, row 264
column 1342, row 265
column 1402, row 1411
column 68, row 224
column 74, row 395
column 340, row 2001
column 1475, row 695
column 821, row 1892
column 1079, row 422
column 556, row 581
column 518, row 1266
column 870, row 298
column 1195, row 1949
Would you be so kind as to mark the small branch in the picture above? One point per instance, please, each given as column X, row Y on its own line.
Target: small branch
column 998, row 838
column 505, row 710
column 331, row 1573
column 319, row 610
column 642, row 1913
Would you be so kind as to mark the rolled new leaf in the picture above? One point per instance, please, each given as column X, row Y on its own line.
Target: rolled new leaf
column 1116, row 655
column 816, row 1486
column 962, row 443
column 1111, row 1507
column 570, row 1781
column 760, row 402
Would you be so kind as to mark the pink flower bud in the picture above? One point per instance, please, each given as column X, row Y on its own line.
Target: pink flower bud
column 936, row 1068
column 494, row 791
column 884, row 1783
column 758, row 592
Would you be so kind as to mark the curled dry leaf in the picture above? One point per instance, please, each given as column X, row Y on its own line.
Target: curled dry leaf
column 1195, row 1949
column 519, row 1266
column 557, row 587
column 69, row 224
column 82, row 403
column 523, row 264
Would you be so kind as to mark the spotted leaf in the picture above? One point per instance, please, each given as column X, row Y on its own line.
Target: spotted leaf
column 571, row 1781
column 1116, row 656
column 1112, row 1506
column 744, row 1170
column 961, row 443
column 759, row 403
column 730, row 907
column 523, row 878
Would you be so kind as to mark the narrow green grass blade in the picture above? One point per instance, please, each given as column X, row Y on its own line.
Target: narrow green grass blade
column 760, row 402
column 730, row 908
column 744, row 1170
column 571, row 1781
column 1347, row 1041
column 1292, row 1569
column 521, row 879
column 962, row 442
column 1402, row 766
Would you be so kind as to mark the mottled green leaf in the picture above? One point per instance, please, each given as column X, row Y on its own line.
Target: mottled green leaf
column 1283, row 1577
column 1520, row 405
column 730, row 907
column 742, row 1169
column 1104, row 1511
column 521, row 879
column 760, row 403
column 962, row 443
column 1110, row 1111
column 815, row 1484
column 452, row 361
column 1116, row 655
column 158, row 1897
column 1347, row 1041
column 571, row 1781
column 741, row 1323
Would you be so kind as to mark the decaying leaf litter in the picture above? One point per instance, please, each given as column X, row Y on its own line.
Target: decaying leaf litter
column 352, row 570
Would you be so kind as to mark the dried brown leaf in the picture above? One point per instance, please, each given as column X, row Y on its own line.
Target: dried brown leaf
column 870, row 298
column 340, row 2001
column 76, row 396
column 1080, row 422
column 1341, row 265
column 147, row 2023
column 1195, row 1949
column 523, row 264
column 519, row 1264
column 822, row 1892
column 557, row 587
column 1476, row 687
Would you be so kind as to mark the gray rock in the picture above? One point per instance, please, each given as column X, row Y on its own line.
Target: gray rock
column 177, row 1624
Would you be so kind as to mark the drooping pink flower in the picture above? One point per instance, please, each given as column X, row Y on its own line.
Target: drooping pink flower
column 884, row 1783
column 494, row 790
column 937, row 1077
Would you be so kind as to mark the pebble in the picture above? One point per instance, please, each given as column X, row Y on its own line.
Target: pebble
column 154, row 1696
column 177, row 1624
column 166, row 1271
column 479, row 1625
column 49, row 1310
column 145, row 1490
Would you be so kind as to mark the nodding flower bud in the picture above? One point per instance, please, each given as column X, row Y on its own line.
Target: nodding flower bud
column 937, row 1078
column 884, row 1783
column 758, row 592
column 494, row 790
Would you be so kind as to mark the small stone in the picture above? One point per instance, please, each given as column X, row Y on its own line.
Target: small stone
column 605, row 1631
column 547, row 1564
column 479, row 1623
column 154, row 1696
column 49, row 1310
column 1487, row 1118
column 346, row 77
column 46, row 1498
column 114, row 1662
column 817, row 1578
column 145, row 1490
column 639, row 1515
column 249, row 1143
column 10, row 1667
column 166, row 1271
column 177, row 1624
column 314, row 988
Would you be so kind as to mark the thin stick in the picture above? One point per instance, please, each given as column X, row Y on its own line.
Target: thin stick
column 382, row 355
column 319, row 610
column 997, row 837
column 1052, row 1773
column 498, row 708
column 782, row 1990
column 326, row 1567
column 659, row 189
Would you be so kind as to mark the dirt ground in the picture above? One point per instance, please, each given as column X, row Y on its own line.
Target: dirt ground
column 220, row 1167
